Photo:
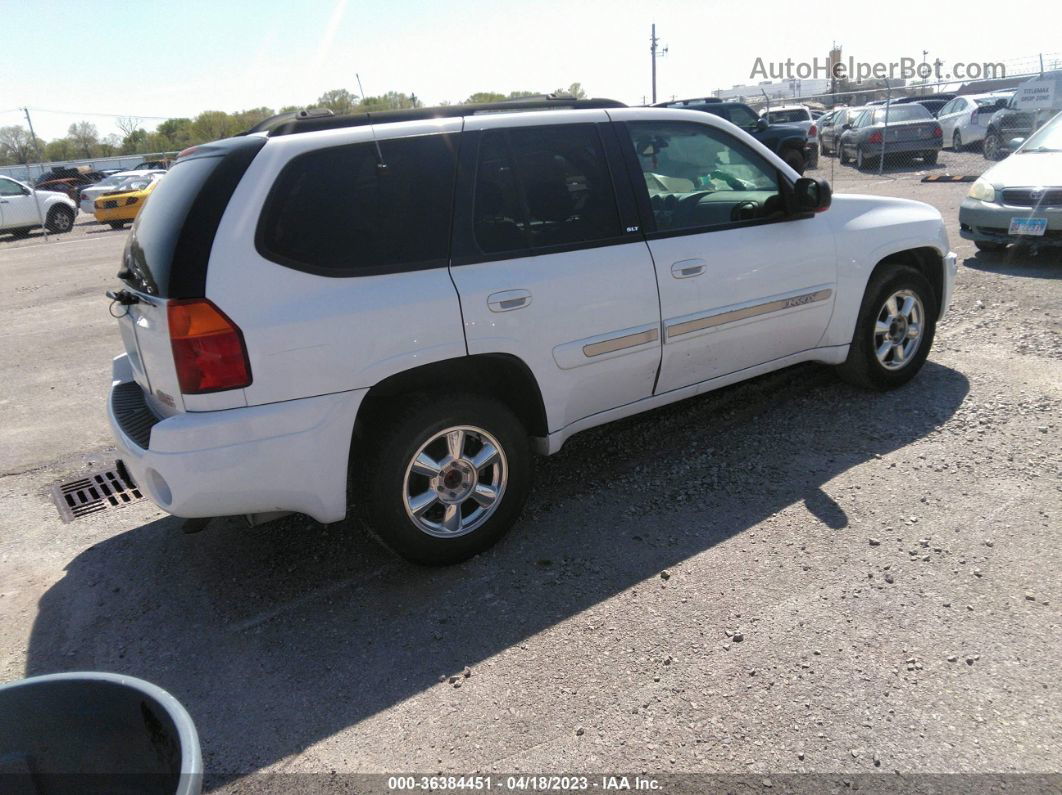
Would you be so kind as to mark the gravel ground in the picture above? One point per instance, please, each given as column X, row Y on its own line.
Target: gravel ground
column 784, row 576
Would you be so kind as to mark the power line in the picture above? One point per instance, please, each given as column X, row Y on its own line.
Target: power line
column 97, row 113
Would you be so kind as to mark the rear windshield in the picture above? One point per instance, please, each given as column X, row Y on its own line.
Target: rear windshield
column 902, row 113
column 149, row 252
column 787, row 116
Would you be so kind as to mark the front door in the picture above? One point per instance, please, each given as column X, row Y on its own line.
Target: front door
column 547, row 270
column 742, row 281
column 17, row 207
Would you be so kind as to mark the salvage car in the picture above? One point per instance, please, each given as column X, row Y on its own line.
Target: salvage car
column 833, row 124
column 23, row 209
column 87, row 196
column 438, row 292
column 1020, row 199
column 122, row 204
column 964, row 120
column 894, row 130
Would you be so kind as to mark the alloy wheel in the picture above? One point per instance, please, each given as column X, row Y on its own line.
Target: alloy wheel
column 455, row 481
column 898, row 330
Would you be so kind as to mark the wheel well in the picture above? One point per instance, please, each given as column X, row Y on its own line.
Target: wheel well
column 926, row 261
column 500, row 376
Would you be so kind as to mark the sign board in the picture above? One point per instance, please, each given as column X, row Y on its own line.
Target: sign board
column 1035, row 94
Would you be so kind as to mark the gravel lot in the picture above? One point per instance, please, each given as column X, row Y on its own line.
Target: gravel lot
column 786, row 575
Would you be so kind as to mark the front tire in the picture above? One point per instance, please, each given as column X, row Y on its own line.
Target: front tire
column 60, row 219
column 895, row 329
column 795, row 160
column 448, row 477
column 989, row 245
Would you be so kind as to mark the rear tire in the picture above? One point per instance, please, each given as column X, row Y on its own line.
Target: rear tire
column 929, row 158
column 956, row 141
column 117, row 224
column 989, row 245
column 865, row 163
column 60, row 219
column 873, row 359
column 454, row 517
column 992, row 147
column 843, row 156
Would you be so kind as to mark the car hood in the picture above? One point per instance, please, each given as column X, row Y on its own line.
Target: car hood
column 1027, row 169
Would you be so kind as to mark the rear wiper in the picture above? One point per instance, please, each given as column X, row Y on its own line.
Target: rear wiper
column 123, row 297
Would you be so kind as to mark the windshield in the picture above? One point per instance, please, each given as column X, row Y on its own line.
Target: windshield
column 135, row 183
column 1047, row 139
column 787, row 116
column 902, row 113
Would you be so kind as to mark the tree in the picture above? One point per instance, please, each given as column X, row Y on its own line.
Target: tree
column 61, row 149
column 84, row 135
column 17, row 146
column 338, row 100
column 481, row 97
column 575, row 90
column 175, row 134
column 210, row 125
column 127, row 125
column 246, row 119
column 522, row 94
column 392, row 100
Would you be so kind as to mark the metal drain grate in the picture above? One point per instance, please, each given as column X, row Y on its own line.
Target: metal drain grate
column 97, row 491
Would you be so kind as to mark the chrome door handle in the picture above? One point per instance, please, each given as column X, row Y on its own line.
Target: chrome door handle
column 686, row 268
column 507, row 300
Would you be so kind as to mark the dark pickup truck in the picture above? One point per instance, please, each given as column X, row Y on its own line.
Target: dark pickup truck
column 788, row 141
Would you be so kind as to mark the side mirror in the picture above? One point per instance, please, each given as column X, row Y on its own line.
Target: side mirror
column 26, row 191
column 761, row 125
column 812, row 195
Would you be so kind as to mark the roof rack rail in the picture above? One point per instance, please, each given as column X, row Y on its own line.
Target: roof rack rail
column 288, row 124
column 677, row 102
column 295, row 115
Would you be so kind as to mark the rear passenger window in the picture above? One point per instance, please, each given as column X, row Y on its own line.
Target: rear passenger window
column 361, row 209
column 541, row 187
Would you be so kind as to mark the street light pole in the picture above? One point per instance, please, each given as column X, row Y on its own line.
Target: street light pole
column 653, row 54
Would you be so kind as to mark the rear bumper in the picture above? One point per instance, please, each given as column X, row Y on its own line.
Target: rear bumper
column 902, row 147
column 289, row 456
column 991, row 223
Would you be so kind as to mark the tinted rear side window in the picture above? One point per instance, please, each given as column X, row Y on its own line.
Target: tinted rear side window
column 360, row 209
column 169, row 247
column 543, row 187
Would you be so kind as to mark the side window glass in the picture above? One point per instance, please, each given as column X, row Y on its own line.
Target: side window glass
column 743, row 117
column 541, row 187
column 9, row 188
column 354, row 209
column 697, row 176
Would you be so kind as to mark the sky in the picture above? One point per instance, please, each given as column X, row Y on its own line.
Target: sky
column 69, row 60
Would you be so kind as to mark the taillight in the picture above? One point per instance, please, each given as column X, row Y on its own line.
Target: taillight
column 813, row 131
column 874, row 138
column 938, row 132
column 208, row 348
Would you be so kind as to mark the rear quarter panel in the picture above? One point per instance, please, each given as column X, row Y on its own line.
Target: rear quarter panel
column 312, row 335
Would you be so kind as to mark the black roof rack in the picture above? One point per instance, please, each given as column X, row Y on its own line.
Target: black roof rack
column 318, row 119
column 674, row 103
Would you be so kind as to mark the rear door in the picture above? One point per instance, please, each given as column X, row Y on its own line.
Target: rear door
column 742, row 282
column 549, row 261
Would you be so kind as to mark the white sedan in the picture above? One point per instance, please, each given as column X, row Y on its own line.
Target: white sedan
column 965, row 119
column 89, row 194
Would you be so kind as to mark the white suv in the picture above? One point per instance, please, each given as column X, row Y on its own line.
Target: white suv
column 23, row 209
column 399, row 307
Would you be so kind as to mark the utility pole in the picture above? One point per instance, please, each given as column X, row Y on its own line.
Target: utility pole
column 925, row 80
column 36, row 198
column 653, row 44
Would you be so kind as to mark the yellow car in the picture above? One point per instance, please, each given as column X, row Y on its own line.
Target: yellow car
column 121, row 205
